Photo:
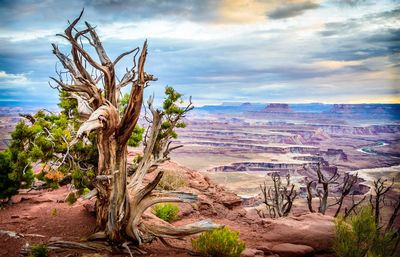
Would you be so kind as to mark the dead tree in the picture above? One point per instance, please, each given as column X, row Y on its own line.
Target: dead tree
column 279, row 197
column 396, row 208
column 322, row 190
column 348, row 183
column 377, row 200
column 121, row 196
column 353, row 207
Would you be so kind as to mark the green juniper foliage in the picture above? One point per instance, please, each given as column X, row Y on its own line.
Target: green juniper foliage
column 166, row 211
column 48, row 141
column 219, row 243
column 15, row 168
column 172, row 112
column 44, row 141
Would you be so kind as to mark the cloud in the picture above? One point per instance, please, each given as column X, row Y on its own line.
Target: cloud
column 351, row 3
column 337, row 64
column 227, row 47
column 139, row 9
column 7, row 79
column 22, row 90
column 292, row 9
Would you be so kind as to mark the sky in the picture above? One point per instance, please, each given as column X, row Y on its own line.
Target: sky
column 287, row 51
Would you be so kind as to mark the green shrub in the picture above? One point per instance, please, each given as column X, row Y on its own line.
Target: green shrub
column 171, row 180
column 39, row 251
column 54, row 212
column 15, row 172
column 71, row 198
column 219, row 242
column 166, row 211
column 384, row 246
column 360, row 236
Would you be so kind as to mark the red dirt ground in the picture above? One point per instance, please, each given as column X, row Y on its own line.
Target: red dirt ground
column 31, row 215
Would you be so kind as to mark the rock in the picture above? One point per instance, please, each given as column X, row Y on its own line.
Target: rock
column 185, row 209
column 55, row 239
column 205, row 206
column 248, row 252
column 42, row 199
column 197, row 181
column 29, row 217
column 265, row 249
column 305, row 233
column 230, row 200
column 16, row 198
column 291, row 250
column 90, row 206
column 312, row 229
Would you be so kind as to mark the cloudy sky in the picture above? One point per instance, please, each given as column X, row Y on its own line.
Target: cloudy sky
column 293, row 51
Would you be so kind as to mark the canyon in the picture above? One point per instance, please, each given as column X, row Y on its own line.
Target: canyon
column 240, row 146
column 229, row 152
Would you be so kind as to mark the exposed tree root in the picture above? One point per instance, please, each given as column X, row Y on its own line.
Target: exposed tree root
column 100, row 246
column 179, row 248
column 18, row 235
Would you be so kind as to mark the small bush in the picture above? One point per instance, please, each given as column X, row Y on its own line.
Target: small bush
column 171, row 180
column 360, row 236
column 39, row 251
column 219, row 243
column 71, row 198
column 166, row 211
column 54, row 212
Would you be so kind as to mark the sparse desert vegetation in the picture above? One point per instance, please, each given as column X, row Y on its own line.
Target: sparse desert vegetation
column 116, row 162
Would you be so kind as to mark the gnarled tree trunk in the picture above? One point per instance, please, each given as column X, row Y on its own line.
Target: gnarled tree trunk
column 121, row 197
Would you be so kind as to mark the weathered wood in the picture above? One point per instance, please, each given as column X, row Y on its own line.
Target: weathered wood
column 178, row 232
column 18, row 235
column 279, row 198
column 348, row 183
column 90, row 195
column 84, row 108
column 121, row 200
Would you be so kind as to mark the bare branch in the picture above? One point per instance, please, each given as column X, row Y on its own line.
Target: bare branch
column 279, row 197
column 125, row 54
column 28, row 117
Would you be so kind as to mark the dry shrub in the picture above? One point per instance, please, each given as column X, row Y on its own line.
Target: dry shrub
column 172, row 180
column 219, row 243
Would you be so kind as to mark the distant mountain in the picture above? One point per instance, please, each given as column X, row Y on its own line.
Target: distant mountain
column 332, row 111
column 365, row 108
column 365, row 111
column 236, row 107
column 277, row 108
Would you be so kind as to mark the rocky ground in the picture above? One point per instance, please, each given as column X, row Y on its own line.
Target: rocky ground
column 30, row 217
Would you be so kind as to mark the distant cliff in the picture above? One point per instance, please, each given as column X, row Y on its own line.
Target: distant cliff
column 277, row 108
column 393, row 109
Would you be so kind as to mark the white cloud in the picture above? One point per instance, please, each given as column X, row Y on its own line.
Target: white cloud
column 11, row 81
column 13, row 78
column 170, row 29
column 27, row 35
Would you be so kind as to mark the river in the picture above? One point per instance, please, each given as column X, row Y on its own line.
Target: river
column 369, row 150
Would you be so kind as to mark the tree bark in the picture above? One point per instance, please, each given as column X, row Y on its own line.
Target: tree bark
column 121, row 199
